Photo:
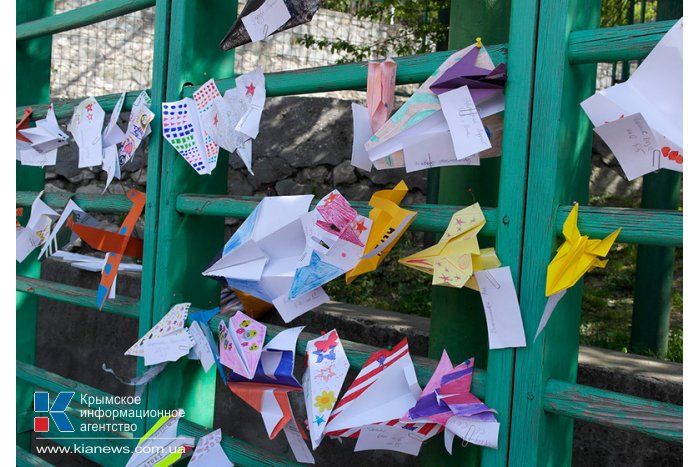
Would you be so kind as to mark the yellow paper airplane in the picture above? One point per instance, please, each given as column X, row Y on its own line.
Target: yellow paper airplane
column 453, row 260
column 389, row 222
column 576, row 256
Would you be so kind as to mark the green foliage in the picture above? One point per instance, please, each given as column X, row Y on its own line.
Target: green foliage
column 392, row 286
column 606, row 312
column 422, row 25
column 418, row 30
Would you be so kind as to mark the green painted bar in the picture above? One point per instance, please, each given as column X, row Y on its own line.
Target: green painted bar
column 194, row 56
column 410, row 69
column 430, row 218
column 511, row 204
column 83, row 16
column 79, row 296
column 657, row 419
column 458, row 321
column 633, row 42
column 640, row 226
column 88, row 202
column 155, row 145
column 238, row 452
column 55, row 383
column 64, row 109
column 558, row 174
column 32, row 79
column 653, row 287
column 27, row 459
column 584, row 46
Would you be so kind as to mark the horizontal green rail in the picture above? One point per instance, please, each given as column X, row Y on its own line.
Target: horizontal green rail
column 239, row 452
column 640, row 226
column 79, row 296
column 430, row 218
column 657, row 419
column 351, row 76
column 55, row 383
column 87, row 202
column 27, row 459
column 597, row 45
column 64, row 109
column 83, row 16
column 632, row 42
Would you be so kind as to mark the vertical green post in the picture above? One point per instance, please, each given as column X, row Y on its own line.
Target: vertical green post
column 185, row 243
column 457, row 322
column 558, row 173
column 33, row 74
column 630, row 20
column 654, row 278
column 158, row 82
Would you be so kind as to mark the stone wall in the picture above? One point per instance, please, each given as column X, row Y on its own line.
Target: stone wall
column 304, row 146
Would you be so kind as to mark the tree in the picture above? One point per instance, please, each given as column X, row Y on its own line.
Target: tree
column 421, row 28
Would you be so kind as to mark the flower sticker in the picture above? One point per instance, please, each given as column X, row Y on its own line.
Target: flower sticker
column 325, row 401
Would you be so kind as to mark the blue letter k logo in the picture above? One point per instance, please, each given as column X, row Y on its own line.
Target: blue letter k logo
column 58, row 409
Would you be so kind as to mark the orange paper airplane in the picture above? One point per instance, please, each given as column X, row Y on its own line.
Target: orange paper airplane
column 117, row 244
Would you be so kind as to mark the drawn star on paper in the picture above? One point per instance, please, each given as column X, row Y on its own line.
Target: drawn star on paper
column 445, row 278
column 216, row 120
column 326, row 373
column 250, row 90
column 330, row 199
column 319, row 420
column 381, row 360
column 361, row 226
column 459, row 221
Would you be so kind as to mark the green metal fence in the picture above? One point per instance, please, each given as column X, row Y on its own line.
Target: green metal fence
column 545, row 165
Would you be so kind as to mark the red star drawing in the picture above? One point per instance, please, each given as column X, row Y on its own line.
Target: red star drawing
column 445, row 278
column 330, row 199
column 250, row 90
column 459, row 221
column 216, row 120
column 325, row 373
column 361, row 226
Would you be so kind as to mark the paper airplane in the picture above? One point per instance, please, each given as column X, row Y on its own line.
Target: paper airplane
column 325, row 373
column 575, row 257
column 453, row 260
column 38, row 146
column 262, row 18
column 641, row 120
column 119, row 244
